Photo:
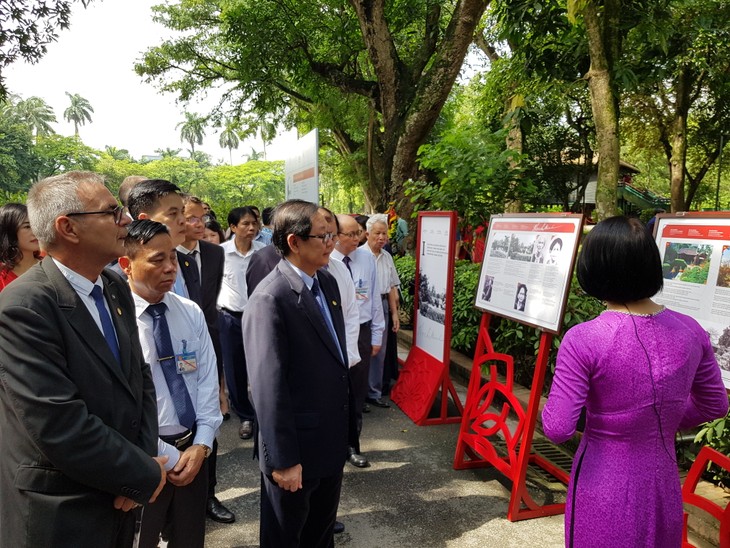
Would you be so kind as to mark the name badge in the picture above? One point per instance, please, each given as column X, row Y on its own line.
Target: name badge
column 361, row 291
column 186, row 362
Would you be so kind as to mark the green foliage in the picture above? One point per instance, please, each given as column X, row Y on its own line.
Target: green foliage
column 58, row 154
column 716, row 434
column 18, row 160
column 472, row 165
column 256, row 182
column 406, row 267
column 465, row 318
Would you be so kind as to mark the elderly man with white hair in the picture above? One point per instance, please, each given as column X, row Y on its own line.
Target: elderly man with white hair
column 387, row 288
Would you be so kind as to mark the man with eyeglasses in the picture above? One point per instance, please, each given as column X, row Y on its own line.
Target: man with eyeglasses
column 79, row 426
column 361, row 265
column 294, row 336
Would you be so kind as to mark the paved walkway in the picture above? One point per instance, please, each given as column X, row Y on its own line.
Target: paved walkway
column 410, row 496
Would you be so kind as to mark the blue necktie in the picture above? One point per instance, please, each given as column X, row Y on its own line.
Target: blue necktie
column 166, row 356
column 347, row 262
column 106, row 322
column 317, row 294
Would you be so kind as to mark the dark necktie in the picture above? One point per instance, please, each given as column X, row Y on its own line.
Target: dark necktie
column 317, row 293
column 166, row 356
column 106, row 322
column 347, row 262
column 194, row 290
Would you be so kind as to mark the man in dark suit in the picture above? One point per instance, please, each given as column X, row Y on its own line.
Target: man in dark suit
column 201, row 264
column 78, row 419
column 294, row 337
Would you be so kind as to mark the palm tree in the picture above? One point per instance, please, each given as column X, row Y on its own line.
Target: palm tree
column 117, row 153
column 79, row 112
column 36, row 114
column 192, row 130
column 229, row 137
column 168, row 152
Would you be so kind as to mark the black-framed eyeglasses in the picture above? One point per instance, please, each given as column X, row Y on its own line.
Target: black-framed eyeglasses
column 352, row 234
column 326, row 238
column 117, row 212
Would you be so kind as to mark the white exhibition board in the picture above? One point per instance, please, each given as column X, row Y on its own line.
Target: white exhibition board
column 435, row 250
column 527, row 268
column 301, row 169
column 695, row 253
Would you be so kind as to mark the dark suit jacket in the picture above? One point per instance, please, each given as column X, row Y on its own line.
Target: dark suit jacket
column 299, row 381
column 76, row 427
column 211, row 261
column 262, row 262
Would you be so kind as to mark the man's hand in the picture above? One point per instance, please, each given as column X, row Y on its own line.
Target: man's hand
column 376, row 349
column 289, row 479
column 161, row 461
column 396, row 321
column 188, row 466
column 124, row 504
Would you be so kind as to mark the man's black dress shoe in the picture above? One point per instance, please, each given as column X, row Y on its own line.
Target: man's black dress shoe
column 378, row 403
column 217, row 512
column 245, row 432
column 357, row 459
column 339, row 528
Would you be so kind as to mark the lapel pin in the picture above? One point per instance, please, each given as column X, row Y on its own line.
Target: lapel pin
column 187, row 263
column 334, row 303
column 119, row 311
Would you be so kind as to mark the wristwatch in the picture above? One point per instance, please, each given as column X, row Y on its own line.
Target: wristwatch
column 205, row 448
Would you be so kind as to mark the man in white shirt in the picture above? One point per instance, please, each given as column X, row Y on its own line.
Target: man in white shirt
column 388, row 283
column 176, row 343
column 232, row 301
column 361, row 265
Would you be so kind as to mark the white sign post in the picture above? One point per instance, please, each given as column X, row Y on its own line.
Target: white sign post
column 301, row 169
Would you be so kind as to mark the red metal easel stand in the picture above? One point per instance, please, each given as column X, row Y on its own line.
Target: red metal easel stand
column 480, row 422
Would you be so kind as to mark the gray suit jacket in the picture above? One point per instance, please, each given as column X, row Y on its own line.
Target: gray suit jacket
column 76, row 427
column 299, row 381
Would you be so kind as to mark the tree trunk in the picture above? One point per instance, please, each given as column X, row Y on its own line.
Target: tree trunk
column 410, row 98
column 678, row 140
column 604, row 105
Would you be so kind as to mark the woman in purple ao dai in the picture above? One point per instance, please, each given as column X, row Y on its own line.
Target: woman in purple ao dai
column 642, row 372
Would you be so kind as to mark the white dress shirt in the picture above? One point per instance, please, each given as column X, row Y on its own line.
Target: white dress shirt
column 349, row 308
column 365, row 279
column 83, row 288
column 234, row 293
column 189, row 333
column 387, row 274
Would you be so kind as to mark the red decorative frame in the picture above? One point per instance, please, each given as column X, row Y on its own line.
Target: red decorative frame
column 423, row 377
column 706, row 455
column 474, row 449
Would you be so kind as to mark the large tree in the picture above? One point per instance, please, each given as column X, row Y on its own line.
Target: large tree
column 682, row 91
column 79, row 112
column 27, row 27
column 374, row 74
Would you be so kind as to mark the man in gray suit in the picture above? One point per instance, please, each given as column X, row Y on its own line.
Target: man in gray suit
column 78, row 419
